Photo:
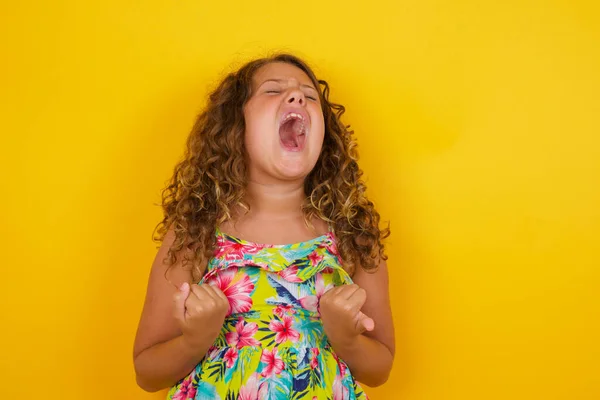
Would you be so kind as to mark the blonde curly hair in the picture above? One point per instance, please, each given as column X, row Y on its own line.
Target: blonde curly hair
column 210, row 179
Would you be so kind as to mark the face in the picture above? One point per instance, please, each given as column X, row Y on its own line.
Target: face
column 284, row 124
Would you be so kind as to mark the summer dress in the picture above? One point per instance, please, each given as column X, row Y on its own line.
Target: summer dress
column 272, row 345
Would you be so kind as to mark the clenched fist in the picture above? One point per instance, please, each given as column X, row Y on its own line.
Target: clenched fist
column 200, row 311
column 340, row 309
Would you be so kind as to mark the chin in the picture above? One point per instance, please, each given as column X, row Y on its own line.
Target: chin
column 289, row 174
column 294, row 169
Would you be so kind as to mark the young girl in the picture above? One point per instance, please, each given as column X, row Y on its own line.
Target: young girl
column 271, row 280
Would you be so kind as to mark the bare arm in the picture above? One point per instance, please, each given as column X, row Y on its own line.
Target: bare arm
column 162, row 353
column 370, row 355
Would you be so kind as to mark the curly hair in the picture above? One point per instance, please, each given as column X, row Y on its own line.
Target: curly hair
column 211, row 177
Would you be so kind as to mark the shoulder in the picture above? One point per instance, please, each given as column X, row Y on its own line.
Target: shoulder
column 170, row 264
column 378, row 275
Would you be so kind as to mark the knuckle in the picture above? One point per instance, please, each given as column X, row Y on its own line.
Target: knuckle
column 210, row 304
column 339, row 302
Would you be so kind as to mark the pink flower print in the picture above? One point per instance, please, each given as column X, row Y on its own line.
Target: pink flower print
column 237, row 286
column 311, row 302
column 230, row 357
column 333, row 250
column 212, row 352
column 340, row 392
column 290, row 274
column 243, row 335
column 232, row 250
column 229, row 249
column 314, row 361
column 250, row 390
column 186, row 391
column 315, row 258
column 274, row 362
column 320, row 288
column 284, row 309
column 284, row 330
column 341, row 365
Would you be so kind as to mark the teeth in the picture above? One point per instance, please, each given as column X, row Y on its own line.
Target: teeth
column 302, row 130
column 293, row 115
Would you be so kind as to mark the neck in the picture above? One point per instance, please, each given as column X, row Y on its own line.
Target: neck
column 275, row 200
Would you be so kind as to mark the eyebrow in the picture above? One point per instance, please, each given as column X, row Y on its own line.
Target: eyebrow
column 285, row 80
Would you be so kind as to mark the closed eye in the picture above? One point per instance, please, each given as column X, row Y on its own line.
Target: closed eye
column 312, row 98
column 272, row 91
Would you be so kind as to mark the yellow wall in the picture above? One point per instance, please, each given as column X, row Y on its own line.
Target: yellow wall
column 480, row 137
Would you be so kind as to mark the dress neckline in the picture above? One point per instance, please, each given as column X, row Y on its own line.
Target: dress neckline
column 308, row 242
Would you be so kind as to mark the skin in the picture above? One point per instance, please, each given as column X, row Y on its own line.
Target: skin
column 180, row 321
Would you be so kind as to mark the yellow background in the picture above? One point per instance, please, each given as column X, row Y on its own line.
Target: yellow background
column 479, row 131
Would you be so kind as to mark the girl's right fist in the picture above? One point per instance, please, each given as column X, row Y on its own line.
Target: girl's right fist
column 200, row 311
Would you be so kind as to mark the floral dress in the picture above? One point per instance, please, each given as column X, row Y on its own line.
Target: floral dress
column 272, row 345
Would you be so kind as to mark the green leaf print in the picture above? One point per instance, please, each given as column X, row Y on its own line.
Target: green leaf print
column 311, row 328
column 206, row 391
column 315, row 378
column 216, row 369
column 276, row 387
column 338, row 279
column 299, row 395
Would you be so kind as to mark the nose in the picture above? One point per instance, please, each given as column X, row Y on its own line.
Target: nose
column 296, row 96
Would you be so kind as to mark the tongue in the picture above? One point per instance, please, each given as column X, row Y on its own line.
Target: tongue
column 289, row 132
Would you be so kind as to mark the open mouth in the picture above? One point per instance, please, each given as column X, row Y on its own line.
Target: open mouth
column 292, row 132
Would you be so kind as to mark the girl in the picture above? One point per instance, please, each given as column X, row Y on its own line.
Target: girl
column 271, row 280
